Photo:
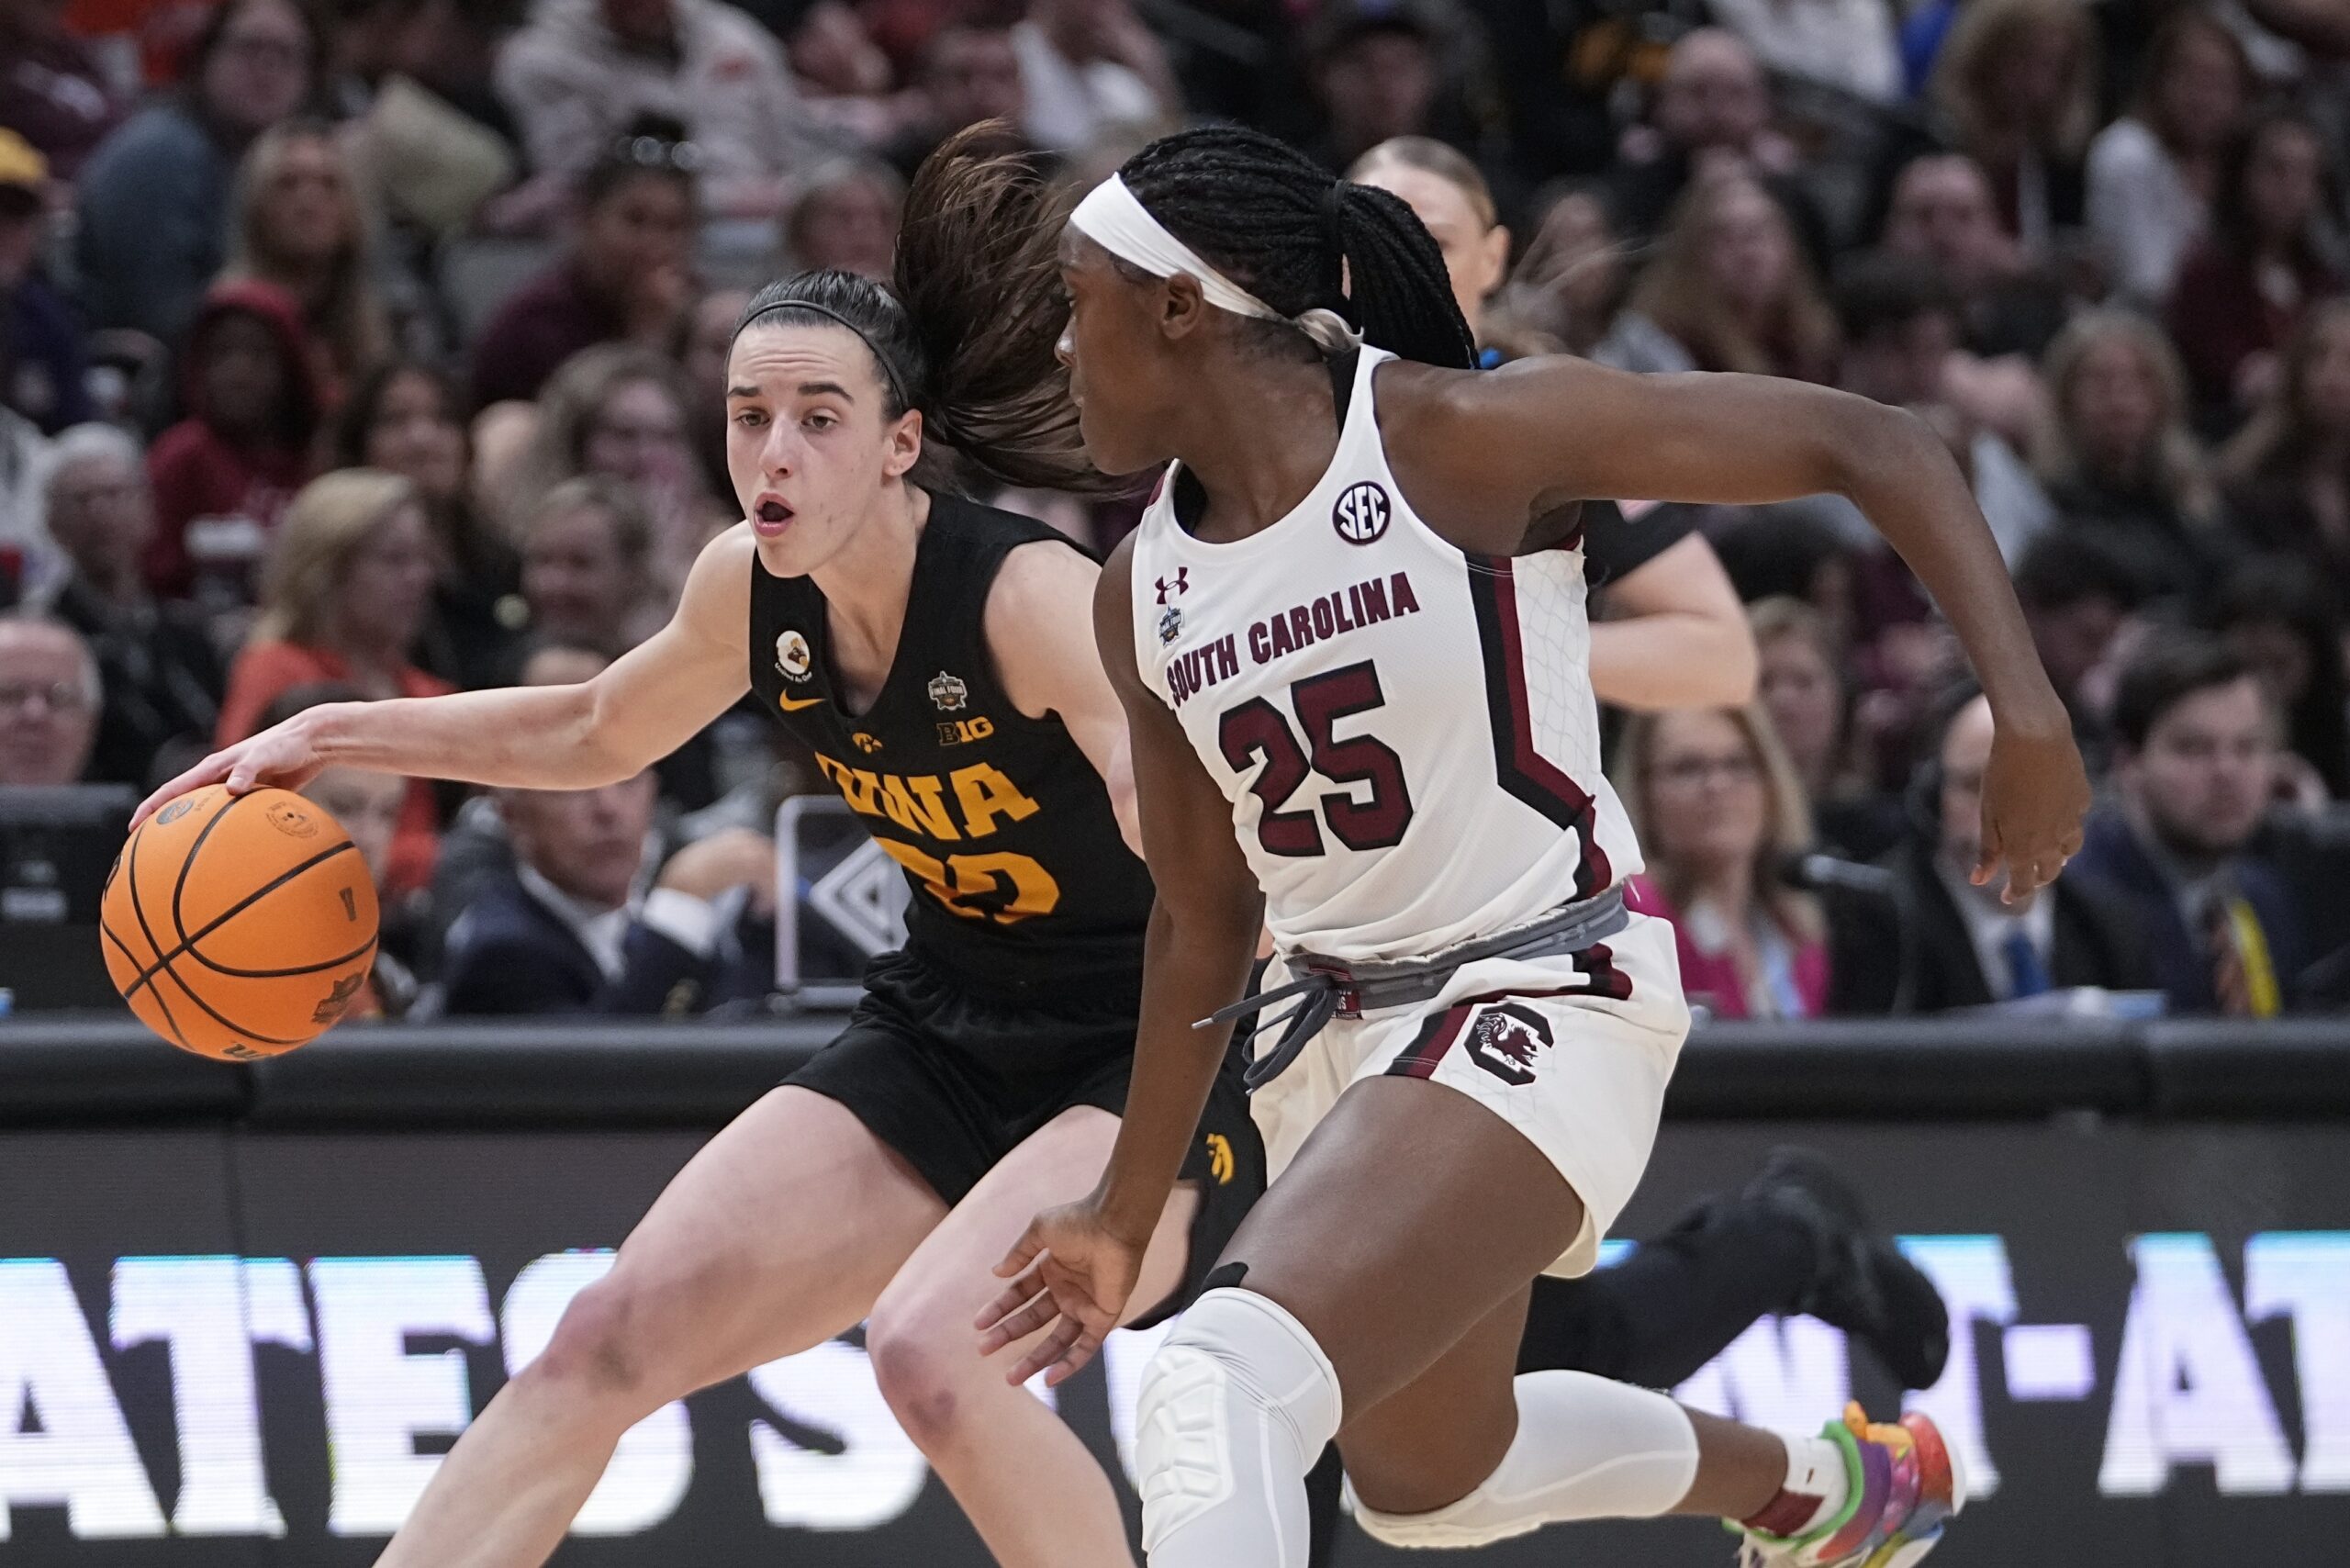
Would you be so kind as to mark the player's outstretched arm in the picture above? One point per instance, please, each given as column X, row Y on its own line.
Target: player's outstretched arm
column 1560, row 428
column 1077, row 1264
column 649, row 702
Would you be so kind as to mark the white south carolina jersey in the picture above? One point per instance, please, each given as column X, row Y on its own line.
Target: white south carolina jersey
column 1407, row 733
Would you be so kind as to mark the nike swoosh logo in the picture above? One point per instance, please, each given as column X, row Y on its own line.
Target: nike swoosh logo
column 783, row 701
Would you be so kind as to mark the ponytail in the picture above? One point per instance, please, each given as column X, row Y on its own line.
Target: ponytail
column 966, row 338
column 1270, row 218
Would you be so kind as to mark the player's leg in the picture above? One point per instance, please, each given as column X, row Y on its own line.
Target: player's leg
column 1794, row 1240
column 779, row 1235
column 1410, row 1218
column 1036, row 1496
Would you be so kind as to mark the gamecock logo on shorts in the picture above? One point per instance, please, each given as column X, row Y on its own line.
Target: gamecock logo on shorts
column 1505, row 1040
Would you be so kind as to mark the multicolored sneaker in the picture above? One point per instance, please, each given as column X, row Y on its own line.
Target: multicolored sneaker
column 1905, row 1485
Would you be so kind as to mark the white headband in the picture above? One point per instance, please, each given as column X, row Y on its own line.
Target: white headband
column 1111, row 218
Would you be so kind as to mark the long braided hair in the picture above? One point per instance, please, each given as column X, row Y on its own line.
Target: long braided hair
column 1277, row 225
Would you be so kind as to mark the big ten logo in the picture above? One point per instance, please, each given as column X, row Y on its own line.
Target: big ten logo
column 962, row 732
column 970, row 803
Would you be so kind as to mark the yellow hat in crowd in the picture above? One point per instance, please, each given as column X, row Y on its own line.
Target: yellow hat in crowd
column 21, row 165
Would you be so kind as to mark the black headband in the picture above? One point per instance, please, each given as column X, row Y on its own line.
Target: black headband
column 832, row 315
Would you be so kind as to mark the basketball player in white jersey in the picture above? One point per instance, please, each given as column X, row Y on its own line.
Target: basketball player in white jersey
column 1357, row 714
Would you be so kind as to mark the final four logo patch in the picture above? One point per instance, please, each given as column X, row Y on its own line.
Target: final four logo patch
column 1170, row 625
column 792, row 658
column 948, row 692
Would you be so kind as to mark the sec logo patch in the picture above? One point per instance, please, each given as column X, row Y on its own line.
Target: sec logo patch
column 1360, row 514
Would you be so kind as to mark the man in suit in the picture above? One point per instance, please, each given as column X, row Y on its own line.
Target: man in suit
column 1964, row 947
column 2194, row 759
column 566, row 930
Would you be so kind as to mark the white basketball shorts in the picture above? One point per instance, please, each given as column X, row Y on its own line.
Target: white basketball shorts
column 1573, row 1051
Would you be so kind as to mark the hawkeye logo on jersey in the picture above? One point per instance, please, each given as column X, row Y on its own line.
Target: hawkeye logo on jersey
column 948, row 693
column 865, row 742
column 793, row 658
column 1360, row 514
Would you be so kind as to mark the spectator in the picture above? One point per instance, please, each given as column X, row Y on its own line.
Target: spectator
column 1375, row 70
column 53, row 91
column 402, row 419
column 1087, row 66
column 571, row 927
column 367, row 805
column 1846, row 44
column 617, row 411
column 2287, row 471
column 2286, row 625
column 350, row 580
column 1941, row 211
column 846, row 216
column 844, row 77
column 155, row 195
column 1717, row 809
column 702, row 359
column 2244, row 287
column 1569, row 284
column 2077, row 594
column 162, row 673
column 48, row 702
column 1713, row 109
column 2117, row 457
column 1454, row 204
column 298, row 225
column 626, row 275
column 587, row 566
column 2195, row 769
column 584, row 71
column 969, row 73
column 1804, row 688
column 43, row 371
column 2153, row 174
column 1950, row 943
column 1732, row 288
column 244, row 448
column 1900, row 329
column 2016, row 81
column 26, row 559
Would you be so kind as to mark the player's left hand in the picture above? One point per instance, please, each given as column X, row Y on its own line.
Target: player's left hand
column 2034, row 794
column 1070, row 1271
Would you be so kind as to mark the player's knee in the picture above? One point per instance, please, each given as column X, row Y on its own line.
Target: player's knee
column 921, row 1364
column 1239, row 1382
column 601, row 1352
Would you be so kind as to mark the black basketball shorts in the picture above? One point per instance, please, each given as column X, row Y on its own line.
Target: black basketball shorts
column 948, row 1081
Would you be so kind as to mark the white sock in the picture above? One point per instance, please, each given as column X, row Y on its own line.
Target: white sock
column 1586, row 1449
column 1816, row 1469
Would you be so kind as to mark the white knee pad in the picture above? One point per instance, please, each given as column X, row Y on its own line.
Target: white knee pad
column 1235, row 1408
column 1586, row 1449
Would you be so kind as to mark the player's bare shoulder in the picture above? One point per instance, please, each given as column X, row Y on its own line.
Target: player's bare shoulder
column 717, row 598
column 1039, row 623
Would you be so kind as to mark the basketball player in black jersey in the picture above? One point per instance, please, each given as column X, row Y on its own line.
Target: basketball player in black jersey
column 937, row 657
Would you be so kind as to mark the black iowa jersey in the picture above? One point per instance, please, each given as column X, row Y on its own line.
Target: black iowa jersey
column 1022, row 883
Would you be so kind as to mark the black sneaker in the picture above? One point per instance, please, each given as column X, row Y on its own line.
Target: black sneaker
column 1860, row 1283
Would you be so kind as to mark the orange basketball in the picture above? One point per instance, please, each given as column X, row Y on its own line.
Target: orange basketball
column 238, row 926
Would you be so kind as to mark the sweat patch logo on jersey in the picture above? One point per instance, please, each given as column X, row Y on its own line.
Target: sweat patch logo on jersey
column 948, row 692
column 794, row 660
column 1360, row 514
column 1505, row 1039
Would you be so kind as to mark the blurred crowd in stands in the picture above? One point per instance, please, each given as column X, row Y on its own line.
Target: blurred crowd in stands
column 359, row 348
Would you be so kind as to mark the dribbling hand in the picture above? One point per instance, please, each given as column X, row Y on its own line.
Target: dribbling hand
column 1070, row 1273
column 2034, row 795
column 281, row 757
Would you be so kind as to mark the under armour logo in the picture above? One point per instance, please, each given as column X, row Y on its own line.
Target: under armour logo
column 1182, row 584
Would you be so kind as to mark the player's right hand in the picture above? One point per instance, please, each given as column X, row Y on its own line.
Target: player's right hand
column 1071, row 1273
column 283, row 757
